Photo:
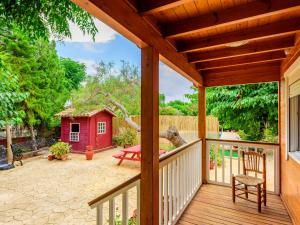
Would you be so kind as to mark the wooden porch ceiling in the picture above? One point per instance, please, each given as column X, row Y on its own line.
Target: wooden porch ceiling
column 207, row 40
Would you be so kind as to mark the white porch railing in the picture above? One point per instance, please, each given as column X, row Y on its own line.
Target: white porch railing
column 227, row 160
column 179, row 179
column 110, row 198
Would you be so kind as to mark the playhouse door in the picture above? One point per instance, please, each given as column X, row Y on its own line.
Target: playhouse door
column 98, row 141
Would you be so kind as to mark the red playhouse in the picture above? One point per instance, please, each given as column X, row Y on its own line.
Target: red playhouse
column 87, row 128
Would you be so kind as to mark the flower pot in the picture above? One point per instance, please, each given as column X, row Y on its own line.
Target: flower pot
column 211, row 165
column 127, row 145
column 51, row 157
column 61, row 157
column 89, row 153
column 64, row 157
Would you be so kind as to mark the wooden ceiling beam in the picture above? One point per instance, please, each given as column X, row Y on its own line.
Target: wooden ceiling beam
column 248, row 49
column 123, row 18
column 234, row 15
column 147, row 7
column 280, row 28
column 293, row 55
column 267, row 72
column 243, row 60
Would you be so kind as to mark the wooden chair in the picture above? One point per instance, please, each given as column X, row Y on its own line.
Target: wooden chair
column 242, row 183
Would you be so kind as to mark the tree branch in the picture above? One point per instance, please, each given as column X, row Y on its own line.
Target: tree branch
column 171, row 134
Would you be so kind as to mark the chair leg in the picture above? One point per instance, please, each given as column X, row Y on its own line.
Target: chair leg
column 233, row 188
column 259, row 197
column 246, row 191
column 265, row 194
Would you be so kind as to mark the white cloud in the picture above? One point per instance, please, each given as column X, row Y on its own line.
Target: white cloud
column 173, row 85
column 90, row 66
column 104, row 35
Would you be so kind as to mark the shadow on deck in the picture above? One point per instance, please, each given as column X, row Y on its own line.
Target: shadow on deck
column 213, row 205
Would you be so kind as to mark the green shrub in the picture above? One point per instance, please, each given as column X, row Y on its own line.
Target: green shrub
column 270, row 135
column 127, row 136
column 212, row 154
column 59, row 149
column 118, row 219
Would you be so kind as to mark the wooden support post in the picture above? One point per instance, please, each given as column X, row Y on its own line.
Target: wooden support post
column 150, row 138
column 202, row 128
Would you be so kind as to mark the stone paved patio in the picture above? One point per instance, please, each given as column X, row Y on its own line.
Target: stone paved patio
column 57, row 192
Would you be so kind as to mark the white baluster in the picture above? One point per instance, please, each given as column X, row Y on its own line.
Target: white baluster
column 160, row 195
column 112, row 211
column 216, row 162
column 138, row 193
column 100, row 214
column 223, row 164
column 170, row 187
column 165, row 197
column 125, row 208
column 230, row 174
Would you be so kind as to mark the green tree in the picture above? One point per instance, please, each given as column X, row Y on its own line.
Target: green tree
column 251, row 108
column 74, row 72
column 45, row 18
column 10, row 100
column 40, row 74
column 123, row 85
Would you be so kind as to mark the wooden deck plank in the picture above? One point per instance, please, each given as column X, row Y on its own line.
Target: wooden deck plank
column 213, row 205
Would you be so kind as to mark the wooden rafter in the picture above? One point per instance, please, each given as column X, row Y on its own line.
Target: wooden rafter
column 122, row 17
column 147, row 7
column 256, row 33
column 266, row 72
column 246, row 12
column 243, row 60
column 248, row 49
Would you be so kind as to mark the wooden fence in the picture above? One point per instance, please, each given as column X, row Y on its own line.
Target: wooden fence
column 187, row 125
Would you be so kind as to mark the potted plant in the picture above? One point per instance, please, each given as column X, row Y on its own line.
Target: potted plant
column 89, row 153
column 60, row 150
column 212, row 157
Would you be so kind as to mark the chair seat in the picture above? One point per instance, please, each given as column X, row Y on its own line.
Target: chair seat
column 248, row 180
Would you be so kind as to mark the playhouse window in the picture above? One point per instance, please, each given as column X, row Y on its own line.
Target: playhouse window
column 74, row 134
column 101, row 127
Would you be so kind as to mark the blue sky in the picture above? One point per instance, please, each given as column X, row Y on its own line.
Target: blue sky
column 111, row 46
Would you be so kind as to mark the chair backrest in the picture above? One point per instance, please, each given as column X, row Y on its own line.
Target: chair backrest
column 254, row 162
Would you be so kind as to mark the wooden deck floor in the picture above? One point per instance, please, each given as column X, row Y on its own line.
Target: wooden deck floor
column 213, row 205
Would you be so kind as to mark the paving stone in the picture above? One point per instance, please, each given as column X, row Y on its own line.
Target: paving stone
column 46, row 192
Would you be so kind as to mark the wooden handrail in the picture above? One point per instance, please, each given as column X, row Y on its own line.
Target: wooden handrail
column 177, row 150
column 243, row 142
column 115, row 189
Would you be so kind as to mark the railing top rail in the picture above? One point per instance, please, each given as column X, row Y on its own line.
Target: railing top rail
column 243, row 142
column 177, row 150
column 114, row 190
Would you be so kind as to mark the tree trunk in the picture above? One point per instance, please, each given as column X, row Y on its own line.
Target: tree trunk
column 171, row 134
column 33, row 139
column 9, row 142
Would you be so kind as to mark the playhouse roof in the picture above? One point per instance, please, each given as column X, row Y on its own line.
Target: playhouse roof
column 71, row 112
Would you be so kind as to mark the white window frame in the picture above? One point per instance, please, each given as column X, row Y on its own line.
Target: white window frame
column 99, row 130
column 74, row 134
column 291, row 75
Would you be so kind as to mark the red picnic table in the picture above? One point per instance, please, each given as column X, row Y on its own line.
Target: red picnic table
column 132, row 153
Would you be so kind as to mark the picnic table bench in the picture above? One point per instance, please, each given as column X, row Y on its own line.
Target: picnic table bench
column 132, row 154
